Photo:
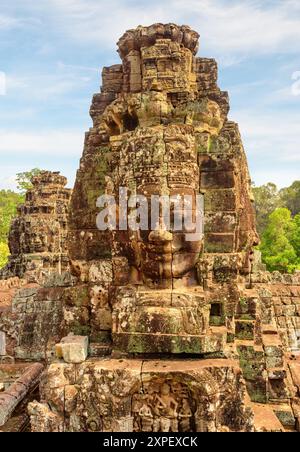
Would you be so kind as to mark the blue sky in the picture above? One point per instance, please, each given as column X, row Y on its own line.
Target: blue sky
column 52, row 53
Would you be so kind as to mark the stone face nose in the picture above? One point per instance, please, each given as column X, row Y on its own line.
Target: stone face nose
column 160, row 236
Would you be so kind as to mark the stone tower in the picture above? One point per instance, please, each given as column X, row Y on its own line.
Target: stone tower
column 37, row 238
column 183, row 335
column 161, row 128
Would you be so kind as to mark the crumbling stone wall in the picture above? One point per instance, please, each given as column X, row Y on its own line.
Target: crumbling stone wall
column 33, row 323
column 210, row 396
column 16, row 394
column 281, row 301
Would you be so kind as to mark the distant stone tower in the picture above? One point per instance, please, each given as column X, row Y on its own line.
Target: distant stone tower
column 37, row 238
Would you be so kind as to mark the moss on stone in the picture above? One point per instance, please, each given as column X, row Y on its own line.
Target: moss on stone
column 230, row 338
column 215, row 320
column 246, row 317
column 80, row 330
column 257, row 396
column 286, row 418
column 77, row 296
column 101, row 337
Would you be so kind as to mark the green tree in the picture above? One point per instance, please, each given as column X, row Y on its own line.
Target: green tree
column 9, row 202
column 266, row 201
column 24, row 179
column 278, row 252
column 290, row 197
column 4, row 253
column 295, row 240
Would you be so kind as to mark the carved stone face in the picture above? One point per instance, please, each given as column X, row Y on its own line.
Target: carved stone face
column 37, row 241
column 154, row 162
column 154, row 152
column 40, row 235
column 164, row 254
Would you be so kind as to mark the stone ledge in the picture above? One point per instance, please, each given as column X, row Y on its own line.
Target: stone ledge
column 170, row 343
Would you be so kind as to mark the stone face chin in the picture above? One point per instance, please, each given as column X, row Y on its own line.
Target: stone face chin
column 147, row 330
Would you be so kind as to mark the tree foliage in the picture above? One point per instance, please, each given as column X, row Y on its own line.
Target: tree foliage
column 290, row 197
column 4, row 253
column 266, row 201
column 280, row 240
column 9, row 202
column 268, row 198
column 24, row 180
column 295, row 239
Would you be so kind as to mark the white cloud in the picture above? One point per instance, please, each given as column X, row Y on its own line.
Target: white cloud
column 47, row 143
column 77, row 67
column 281, row 177
column 17, row 114
column 42, row 87
column 272, row 144
column 244, row 88
column 286, row 94
column 8, row 22
column 241, row 28
column 274, row 134
column 230, row 30
column 8, row 183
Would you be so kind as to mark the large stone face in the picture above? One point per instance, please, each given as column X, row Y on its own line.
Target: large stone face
column 160, row 127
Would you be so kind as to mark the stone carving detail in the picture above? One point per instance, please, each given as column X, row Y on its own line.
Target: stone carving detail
column 37, row 238
column 164, row 406
column 128, row 395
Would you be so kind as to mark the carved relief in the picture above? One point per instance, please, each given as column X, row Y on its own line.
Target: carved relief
column 164, row 406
